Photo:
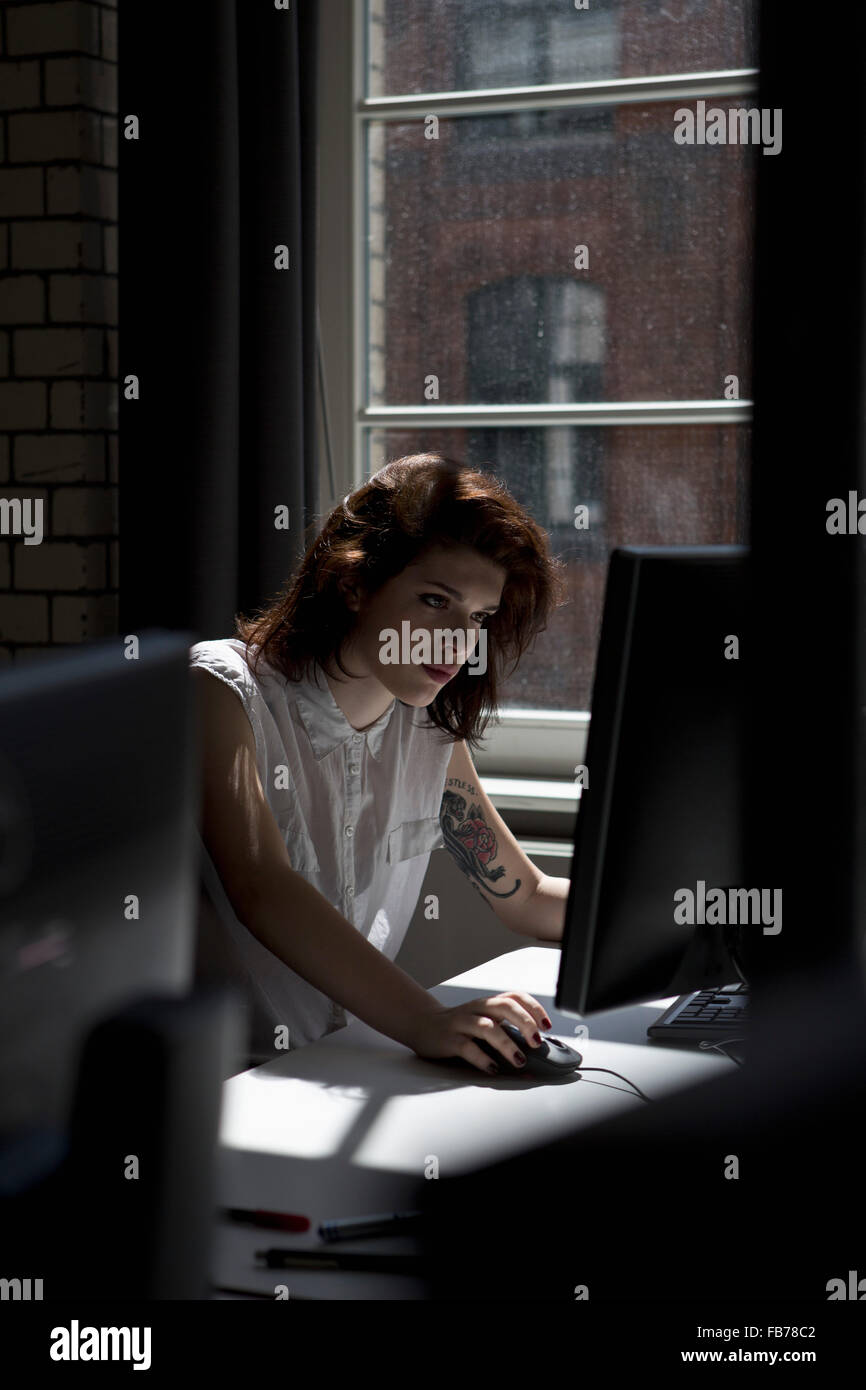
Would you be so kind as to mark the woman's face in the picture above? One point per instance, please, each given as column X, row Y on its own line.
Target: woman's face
column 446, row 588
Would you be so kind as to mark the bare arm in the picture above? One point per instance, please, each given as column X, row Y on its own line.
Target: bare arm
column 276, row 903
column 527, row 901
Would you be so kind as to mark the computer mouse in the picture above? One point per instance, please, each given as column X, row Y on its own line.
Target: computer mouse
column 552, row 1059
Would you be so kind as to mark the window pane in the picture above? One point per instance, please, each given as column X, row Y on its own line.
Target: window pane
column 472, row 243
column 462, row 45
column 652, row 485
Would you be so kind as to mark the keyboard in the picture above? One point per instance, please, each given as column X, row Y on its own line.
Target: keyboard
column 714, row 1014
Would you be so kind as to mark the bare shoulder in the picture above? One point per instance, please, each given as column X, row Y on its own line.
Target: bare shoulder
column 237, row 824
column 218, row 701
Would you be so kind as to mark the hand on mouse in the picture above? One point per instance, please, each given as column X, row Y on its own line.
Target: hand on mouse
column 449, row 1032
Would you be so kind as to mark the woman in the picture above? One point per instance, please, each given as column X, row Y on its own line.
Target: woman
column 340, row 759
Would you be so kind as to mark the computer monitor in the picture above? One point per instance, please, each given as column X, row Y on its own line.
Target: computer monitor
column 659, row 822
column 98, row 869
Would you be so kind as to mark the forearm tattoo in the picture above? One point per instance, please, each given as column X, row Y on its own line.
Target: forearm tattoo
column 469, row 839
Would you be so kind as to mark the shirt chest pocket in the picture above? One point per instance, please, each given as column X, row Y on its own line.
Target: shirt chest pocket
column 414, row 837
column 300, row 847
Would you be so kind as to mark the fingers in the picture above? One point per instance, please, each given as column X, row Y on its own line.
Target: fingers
column 519, row 1008
column 532, row 1007
column 471, row 1052
column 497, row 1038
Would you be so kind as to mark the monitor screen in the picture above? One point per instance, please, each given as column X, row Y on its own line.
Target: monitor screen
column 659, row 820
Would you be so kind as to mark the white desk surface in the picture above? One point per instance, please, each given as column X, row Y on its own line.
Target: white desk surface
column 345, row 1126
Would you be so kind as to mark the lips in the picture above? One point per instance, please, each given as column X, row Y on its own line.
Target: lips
column 441, row 673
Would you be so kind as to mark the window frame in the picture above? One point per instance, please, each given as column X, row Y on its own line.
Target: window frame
column 538, row 767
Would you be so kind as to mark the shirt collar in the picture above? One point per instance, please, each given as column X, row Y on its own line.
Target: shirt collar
column 327, row 726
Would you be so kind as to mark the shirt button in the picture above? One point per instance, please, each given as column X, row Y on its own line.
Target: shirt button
column 350, row 892
column 356, row 738
column 350, row 830
column 354, row 771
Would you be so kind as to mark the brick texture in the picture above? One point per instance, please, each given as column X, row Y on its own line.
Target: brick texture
column 58, row 325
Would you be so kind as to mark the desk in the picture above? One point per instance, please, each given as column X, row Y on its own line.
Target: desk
column 344, row 1126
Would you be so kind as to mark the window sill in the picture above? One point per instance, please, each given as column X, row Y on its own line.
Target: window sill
column 535, row 749
column 540, row 813
column 532, row 794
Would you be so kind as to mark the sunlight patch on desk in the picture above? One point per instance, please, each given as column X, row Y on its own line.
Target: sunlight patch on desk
column 289, row 1115
column 461, row 1116
column 537, row 968
column 471, row 1123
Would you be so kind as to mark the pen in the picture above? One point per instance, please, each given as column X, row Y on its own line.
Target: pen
column 359, row 1227
column 276, row 1220
column 315, row 1259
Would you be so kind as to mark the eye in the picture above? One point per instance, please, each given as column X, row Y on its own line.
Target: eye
column 481, row 617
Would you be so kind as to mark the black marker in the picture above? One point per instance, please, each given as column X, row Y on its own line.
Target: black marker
column 316, row 1259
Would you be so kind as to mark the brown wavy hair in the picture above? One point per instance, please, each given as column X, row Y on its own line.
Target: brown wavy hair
column 411, row 504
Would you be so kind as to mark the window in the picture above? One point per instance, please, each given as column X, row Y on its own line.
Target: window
column 493, row 141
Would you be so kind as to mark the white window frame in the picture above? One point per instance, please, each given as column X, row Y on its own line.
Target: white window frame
column 528, row 757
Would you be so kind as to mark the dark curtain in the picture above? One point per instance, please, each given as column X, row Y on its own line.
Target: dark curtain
column 805, row 777
column 223, row 343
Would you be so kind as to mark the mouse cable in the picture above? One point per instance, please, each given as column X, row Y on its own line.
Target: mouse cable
column 648, row 1099
column 720, row 1047
column 717, row 1047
